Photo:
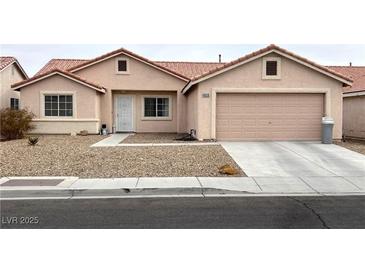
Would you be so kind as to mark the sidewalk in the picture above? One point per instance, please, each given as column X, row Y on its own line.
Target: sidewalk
column 115, row 140
column 73, row 187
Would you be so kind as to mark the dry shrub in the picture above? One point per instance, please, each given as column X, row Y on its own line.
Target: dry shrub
column 15, row 123
column 228, row 170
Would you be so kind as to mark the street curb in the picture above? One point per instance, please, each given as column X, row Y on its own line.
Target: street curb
column 66, row 193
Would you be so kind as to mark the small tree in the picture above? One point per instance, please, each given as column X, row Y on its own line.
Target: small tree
column 15, row 123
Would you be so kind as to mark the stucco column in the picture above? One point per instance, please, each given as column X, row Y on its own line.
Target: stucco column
column 181, row 112
column 107, row 110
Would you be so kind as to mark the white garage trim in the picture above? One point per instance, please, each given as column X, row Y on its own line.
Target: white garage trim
column 354, row 94
column 326, row 92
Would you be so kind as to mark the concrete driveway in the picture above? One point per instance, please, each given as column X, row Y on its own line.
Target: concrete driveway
column 295, row 159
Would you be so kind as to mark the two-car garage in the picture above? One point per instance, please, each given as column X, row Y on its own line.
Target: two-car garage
column 269, row 116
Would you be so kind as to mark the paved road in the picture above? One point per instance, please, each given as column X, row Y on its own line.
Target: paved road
column 225, row 212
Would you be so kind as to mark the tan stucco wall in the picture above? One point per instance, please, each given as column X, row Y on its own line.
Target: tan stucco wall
column 192, row 109
column 142, row 125
column 354, row 116
column 141, row 77
column 86, row 105
column 293, row 75
column 9, row 76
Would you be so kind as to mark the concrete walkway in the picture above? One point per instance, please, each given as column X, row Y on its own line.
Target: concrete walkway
column 333, row 185
column 111, row 141
column 295, row 159
column 115, row 141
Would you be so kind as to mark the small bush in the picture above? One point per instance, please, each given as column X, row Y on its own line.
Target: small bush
column 32, row 140
column 228, row 170
column 15, row 123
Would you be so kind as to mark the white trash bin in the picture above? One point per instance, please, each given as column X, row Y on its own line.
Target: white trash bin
column 327, row 130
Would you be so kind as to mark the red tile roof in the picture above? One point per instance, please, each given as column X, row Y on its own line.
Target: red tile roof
column 129, row 53
column 6, row 61
column 61, row 72
column 267, row 49
column 190, row 69
column 62, row 64
column 356, row 73
column 187, row 70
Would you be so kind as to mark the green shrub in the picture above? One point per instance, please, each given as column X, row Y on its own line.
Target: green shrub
column 33, row 140
column 15, row 123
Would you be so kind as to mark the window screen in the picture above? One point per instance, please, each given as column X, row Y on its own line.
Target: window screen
column 58, row 105
column 156, row 107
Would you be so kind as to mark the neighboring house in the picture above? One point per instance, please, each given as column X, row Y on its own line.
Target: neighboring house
column 353, row 101
column 270, row 94
column 11, row 72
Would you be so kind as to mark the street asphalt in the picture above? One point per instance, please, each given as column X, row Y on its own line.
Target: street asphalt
column 212, row 212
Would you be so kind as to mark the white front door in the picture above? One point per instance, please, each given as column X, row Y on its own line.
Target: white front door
column 124, row 113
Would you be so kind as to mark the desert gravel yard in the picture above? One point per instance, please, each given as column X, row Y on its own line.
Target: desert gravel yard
column 358, row 146
column 73, row 156
column 144, row 138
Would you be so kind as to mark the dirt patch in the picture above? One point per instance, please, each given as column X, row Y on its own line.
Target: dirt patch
column 73, row 156
column 358, row 146
column 153, row 138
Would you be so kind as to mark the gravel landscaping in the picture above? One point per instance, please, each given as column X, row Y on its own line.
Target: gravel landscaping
column 358, row 146
column 73, row 156
column 148, row 138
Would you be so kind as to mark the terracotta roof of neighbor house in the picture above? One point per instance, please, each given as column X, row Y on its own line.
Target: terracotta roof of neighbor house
column 264, row 50
column 6, row 61
column 356, row 73
column 62, row 64
column 61, row 72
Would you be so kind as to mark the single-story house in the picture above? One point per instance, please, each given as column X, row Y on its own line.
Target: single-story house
column 270, row 94
column 11, row 72
column 353, row 101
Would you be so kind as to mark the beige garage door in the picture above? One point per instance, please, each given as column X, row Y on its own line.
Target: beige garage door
column 276, row 116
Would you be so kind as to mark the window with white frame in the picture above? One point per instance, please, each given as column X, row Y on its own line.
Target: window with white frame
column 14, row 103
column 156, row 107
column 58, row 105
column 271, row 68
column 122, row 66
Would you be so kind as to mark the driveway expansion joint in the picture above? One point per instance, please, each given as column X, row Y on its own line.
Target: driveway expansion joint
column 302, row 180
column 253, row 178
column 347, row 180
column 306, row 158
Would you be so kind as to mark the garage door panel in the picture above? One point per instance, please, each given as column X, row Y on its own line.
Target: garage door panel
column 269, row 116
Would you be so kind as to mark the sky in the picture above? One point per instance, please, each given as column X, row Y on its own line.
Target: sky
column 33, row 57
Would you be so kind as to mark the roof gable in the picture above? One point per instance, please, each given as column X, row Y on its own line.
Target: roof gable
column 65, row 74
column 6, row 61
column 129, row 54
column 263, row 52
